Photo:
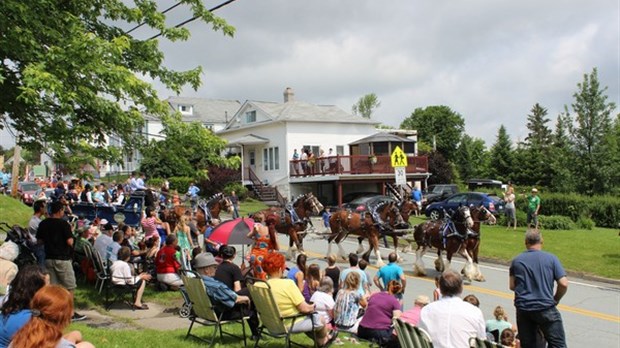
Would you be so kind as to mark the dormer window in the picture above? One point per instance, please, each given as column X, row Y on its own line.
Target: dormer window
column 250, row 116
column 186, row 109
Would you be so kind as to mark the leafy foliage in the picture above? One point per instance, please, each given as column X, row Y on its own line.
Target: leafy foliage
column 437, row 124
column 219, row 179
column 472, row 158
column 188, row 150
column 70, row 75
column 366, row 105
column 555, row 222
column 442, row 170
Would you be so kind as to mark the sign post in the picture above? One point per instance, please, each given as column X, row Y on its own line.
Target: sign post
column 399, row 163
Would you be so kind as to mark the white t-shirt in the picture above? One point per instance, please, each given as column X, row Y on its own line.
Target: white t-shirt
column 324, row 302
column 510, row 201
column 121, row 273
column 451, row 322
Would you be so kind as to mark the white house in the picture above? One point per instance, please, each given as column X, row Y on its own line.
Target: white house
column 267, row 133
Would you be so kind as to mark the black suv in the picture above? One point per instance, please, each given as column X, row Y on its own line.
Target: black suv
column 436, row 193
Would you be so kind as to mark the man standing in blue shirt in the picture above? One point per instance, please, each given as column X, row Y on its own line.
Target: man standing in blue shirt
column 192, row 192
column 416, row 196
column 389, row 272
column 226, row 301
column 532, row 277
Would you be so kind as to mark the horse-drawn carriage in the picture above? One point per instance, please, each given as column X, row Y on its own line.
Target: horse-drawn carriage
column 130, row 212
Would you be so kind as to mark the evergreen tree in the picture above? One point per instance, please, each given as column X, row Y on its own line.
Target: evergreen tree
column 501, row 156
column 534, row 165
column 442, row 170
column 471, row 158
column 562, row 155
column 592, row 136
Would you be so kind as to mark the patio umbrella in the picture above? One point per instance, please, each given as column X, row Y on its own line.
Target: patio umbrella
column 233, row 232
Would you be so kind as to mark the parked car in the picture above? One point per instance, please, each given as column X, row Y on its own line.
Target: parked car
column 493, row 203
column 362, row 203
column 436, row 193
column 26, row 191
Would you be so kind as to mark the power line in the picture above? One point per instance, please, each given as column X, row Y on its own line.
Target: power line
column 143, row 23
column 195, row 17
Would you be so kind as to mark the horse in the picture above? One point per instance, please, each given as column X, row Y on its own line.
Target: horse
column 472, row 243
column 280, row 219
column 344, row 222
column 408, row 208
column 217, row 203
column 443, row 235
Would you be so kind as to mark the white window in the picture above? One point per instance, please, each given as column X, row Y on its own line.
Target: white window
column 271, row 158
column 186, row 109
column 340, row 150
column 250, row 116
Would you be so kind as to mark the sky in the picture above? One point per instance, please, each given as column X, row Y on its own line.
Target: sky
column 488, row 60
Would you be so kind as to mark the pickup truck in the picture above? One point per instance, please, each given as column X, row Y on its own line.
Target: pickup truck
column 436, row 193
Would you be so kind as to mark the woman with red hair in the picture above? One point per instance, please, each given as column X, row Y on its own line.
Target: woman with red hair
column 265, row 242
column 52, row 309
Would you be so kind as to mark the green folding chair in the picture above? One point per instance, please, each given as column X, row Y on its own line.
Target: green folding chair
column 203, row 311
column 476, row 342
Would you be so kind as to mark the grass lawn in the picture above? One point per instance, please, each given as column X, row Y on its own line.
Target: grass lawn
column 592, row 252
column 14, row 212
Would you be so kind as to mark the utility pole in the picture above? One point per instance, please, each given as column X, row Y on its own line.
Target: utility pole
column 15, row 174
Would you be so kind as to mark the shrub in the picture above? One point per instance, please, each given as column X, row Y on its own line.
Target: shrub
column 555, row 222
column 239, row 189
column 156, row 183
column 180, row 183
column 585, row 223
column 521, row 219
column 603, row 210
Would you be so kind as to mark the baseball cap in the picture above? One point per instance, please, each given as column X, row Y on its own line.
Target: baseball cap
column 534, row 189
column 203, row 260
column 103, row 222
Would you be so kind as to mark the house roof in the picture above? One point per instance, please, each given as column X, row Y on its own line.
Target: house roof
column 249, row 139
column 206, row 110
column 382, row 137
column 302, row 111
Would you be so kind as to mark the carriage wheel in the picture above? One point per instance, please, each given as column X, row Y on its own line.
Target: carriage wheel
column 435, row 215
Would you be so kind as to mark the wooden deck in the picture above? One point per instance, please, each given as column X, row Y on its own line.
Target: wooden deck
column 355, row 164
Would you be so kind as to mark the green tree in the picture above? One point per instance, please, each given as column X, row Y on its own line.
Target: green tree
column 591, row 135
column 501, row 156
column 188, row 150
column 366, row 105
column 534, row 164
column 471, row 158
column 439, row 125
column 562, row 156
column 70, row 75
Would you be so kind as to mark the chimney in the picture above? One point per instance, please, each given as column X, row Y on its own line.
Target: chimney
column 289, row 95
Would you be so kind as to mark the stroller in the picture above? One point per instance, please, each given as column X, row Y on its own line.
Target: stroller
column 19, row 236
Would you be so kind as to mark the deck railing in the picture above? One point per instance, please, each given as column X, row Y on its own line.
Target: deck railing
column 354, row 164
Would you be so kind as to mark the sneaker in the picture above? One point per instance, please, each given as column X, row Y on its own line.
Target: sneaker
column 78, row 317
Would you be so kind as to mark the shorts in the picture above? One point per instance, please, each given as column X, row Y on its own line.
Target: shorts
column 170, row 279
column 510, row 213
column 305, row 325
column 61, row 272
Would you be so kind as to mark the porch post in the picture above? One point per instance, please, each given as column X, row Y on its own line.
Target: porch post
column 339, row 193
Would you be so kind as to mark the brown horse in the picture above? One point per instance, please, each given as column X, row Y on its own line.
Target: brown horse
column 218, row 203
column 408, row 208
column 448, row 235
column 280, row 219
column 472, row 243
column 344, row 222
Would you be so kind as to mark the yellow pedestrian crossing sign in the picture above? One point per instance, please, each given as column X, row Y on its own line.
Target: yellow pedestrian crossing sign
column 398, row 157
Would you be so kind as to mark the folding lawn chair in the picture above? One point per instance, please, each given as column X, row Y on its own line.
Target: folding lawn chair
column 273, row 324
column 203, row 311
column 476, row 342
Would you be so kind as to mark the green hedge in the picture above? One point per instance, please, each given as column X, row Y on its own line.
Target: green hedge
column 240, row 190
column 180, row 183
column 604, row 211
column 156, row 183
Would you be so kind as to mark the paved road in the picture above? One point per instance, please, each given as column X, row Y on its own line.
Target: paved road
column 590, row 310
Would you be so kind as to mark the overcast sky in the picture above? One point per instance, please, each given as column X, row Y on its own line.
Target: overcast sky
column 488, row 60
